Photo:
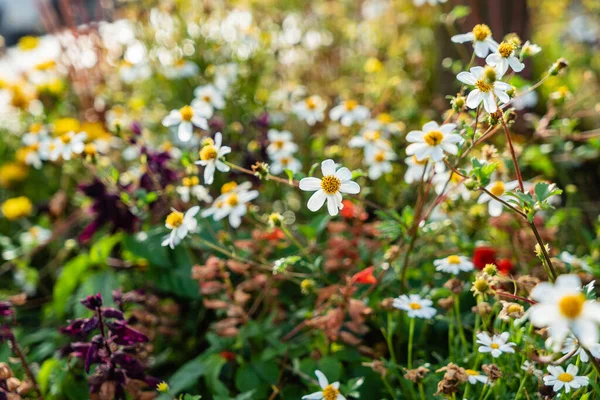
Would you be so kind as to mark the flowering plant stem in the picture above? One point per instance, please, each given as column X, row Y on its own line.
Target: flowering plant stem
column 411, row 334
column 17, row 350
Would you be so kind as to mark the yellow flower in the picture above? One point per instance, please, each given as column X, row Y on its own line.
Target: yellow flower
column 65, row 125
column 11, row 173
column 162, row 387
column 373, row 65
column 94, row 130
column 16, row 208
column 28, row 43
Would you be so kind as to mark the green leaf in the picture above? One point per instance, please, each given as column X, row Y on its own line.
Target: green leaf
column 289, row 174
column 187, row 375
column 460, row 11
column 331, row 367
column 67, row 282
column 46, row 373
column 101, row 250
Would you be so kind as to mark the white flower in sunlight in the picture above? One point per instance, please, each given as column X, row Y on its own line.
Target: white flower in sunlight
column 285, row 161
column 496, row 345
column 311, row 109
column 574, row 261
column 349, row 112
column 192, row 187
column 416, row 169
column 225, row 76
column 232, row 203
column 131, row 73
column 530, row 368
column 498, row 189
column 208, row 98
column 415, row 306
column 330, row 187
column 433, row 141
column 487, row 88
column 529, row 49
column 383, row 122
column 451, row 184
column 378, row 161
column 481, row 36
column 453, row 264
column 35, row 236
column 369, row 138
column 181, row 69
column 65, row 146
column 180, row 224
column 185, row 119
column 210, row 157
column 558, row 378
column 563, row 307
column 36, row 134
column 475, row 376
column 327, row 392
column 503, row 57
column 571, row 345
column 281, row 143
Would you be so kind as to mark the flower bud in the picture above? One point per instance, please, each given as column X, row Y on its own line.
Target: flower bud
column 558, row 66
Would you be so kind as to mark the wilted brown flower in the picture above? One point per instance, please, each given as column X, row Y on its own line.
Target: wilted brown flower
column 453, row 377
column 456, row 286
column 482, row 308
column 416, row 375
column 446, row 303
column 387, row 304
column 377, row 366
column 511, row 310
column 492, row 371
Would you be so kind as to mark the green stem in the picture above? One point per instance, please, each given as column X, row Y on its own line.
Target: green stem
column 389, row 335
column 521, row 386
column 461, row 331
column 295, row 241
column 389, row 387
column 421, row 391
column 411, row 334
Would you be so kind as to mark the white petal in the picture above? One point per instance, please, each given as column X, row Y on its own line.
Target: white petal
column 343, row 174
column 316, row 200
column 481, row 49
column 185, row 131
column 467, row 78
column 310, row 184
column 489, row 102
column 323, row 382
column 474, row 98
column 431, row 126
column 462, row 38
column 415, row 136
column 328, row 167
column 332, row 205
column 350, row 187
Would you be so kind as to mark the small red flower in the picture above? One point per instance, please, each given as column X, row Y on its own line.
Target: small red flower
column 505, row 266
column 348, row 210
column 365, row 276
column 227, row 355
column 274, row 235
column 483, row 255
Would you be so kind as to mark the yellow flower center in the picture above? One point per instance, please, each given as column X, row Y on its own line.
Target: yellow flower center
column 330, row 393
column 17, row 207
column 481, row 32
column 495, row 346
column 415, row 306
column 65, row 138
column 505, row 49
column 571, row 306
column 455, row 178
column 380, row 157
column 471, row 372
column 190, row 181
column 228, row 187
column 28, row 43
column 35, row 128
column 233, row 200
column 175, row 219
column 420, row 162
column 208, row 152
column 331, row 184
column 285, row 161
column 565, row 377
column 350, row 105
column 46, row 65
column 454, row 259
column 90, row 149
column 481, row 286
column 433, row 138
column 279, row 144
column 514, row 308
column 372, row 135
column 186, row 113
column 311, row 104
column 384, row 118
column 206, row 98
column 497, row 189
column 483, row 86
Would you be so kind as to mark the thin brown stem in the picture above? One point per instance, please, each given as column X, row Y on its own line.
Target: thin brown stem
column 17, row 350
column 514, row 156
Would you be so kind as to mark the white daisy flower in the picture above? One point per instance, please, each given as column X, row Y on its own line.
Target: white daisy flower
column 285, row 161
column 232, row 204
column 415, row 169
column 474, row 377
column 33, row 156
column 311, row 109
column 191, row 187
column 181, row 69
column 378, row 161
column 503, row 57
column 37, row 134
column 281, row 143
column 384, row 123
column 571, row 344
column 432, row 141
column 573, row 261
column 64, row 146
column 131, row 73
column 530, row 49
column 349, row 112
column 368, row 138
column 185, row 119
column 330, row 187
column 208, row 98
column 35, row 236
column 486, row 89
column 496, row 345
column 568, row 380
column 498, row 189
column 481, row 36
column 180, row 224
column 530, row 368
column 415, row 306
column 210, row 156
column 453, row 264
column 563, row 307
column 327, row 392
